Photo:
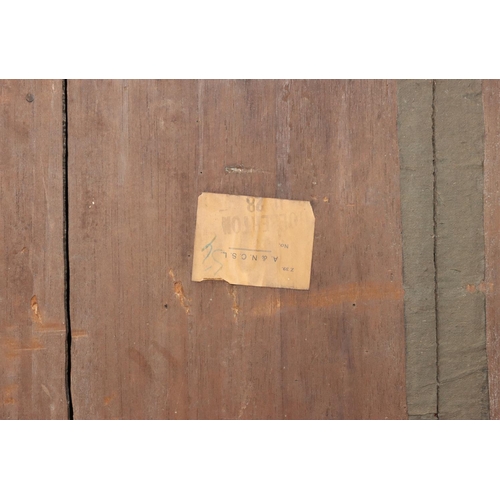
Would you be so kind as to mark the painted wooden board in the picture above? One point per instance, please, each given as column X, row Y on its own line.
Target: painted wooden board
column 32, row 320
column 416, row 139
column 153, row 344
column 459, row 154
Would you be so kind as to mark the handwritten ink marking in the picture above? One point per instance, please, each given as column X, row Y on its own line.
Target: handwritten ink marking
column 249, row 249
column 218, row 262
column 209, row 246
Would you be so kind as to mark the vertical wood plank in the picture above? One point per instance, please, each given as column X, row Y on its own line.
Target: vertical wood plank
column 491, row 286
column 343, row 341
column 140, row 153
column 459, row 155
column 132, row 153
column 415, row 138
column 32, row 324
column 237, row 128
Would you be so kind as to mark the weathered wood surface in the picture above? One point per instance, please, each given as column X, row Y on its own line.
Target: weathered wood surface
column 491, row 286
column 343, row 342
column 148, row 342
column 32, row 328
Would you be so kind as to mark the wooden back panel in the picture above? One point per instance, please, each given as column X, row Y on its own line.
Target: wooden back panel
column 153, row 344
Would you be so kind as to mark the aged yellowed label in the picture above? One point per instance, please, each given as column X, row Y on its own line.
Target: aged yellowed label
column 253, row 241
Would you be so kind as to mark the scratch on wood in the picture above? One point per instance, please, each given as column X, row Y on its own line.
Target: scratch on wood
column 235, row 307
column 347, row 293
column 241, row 169
column 246, row 400
column 11, row 348
column 34, row 345
column 243, row 407
column 179, row 292
column 50, row 328
column 78, row 334
column 37, row 316
column 44, row 388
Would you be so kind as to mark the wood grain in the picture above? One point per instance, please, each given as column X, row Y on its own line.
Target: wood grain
column 343, row 341
column 32, row 327
column 148, row 342
column 491, row 285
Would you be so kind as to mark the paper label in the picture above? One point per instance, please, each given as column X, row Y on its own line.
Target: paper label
column 253, row 241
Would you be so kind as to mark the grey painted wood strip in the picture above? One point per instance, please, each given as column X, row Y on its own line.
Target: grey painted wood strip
column 415, row 136
column 459, row 154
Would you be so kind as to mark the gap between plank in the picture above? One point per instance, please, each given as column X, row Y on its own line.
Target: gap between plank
column 69, row 399
column 433, row 118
